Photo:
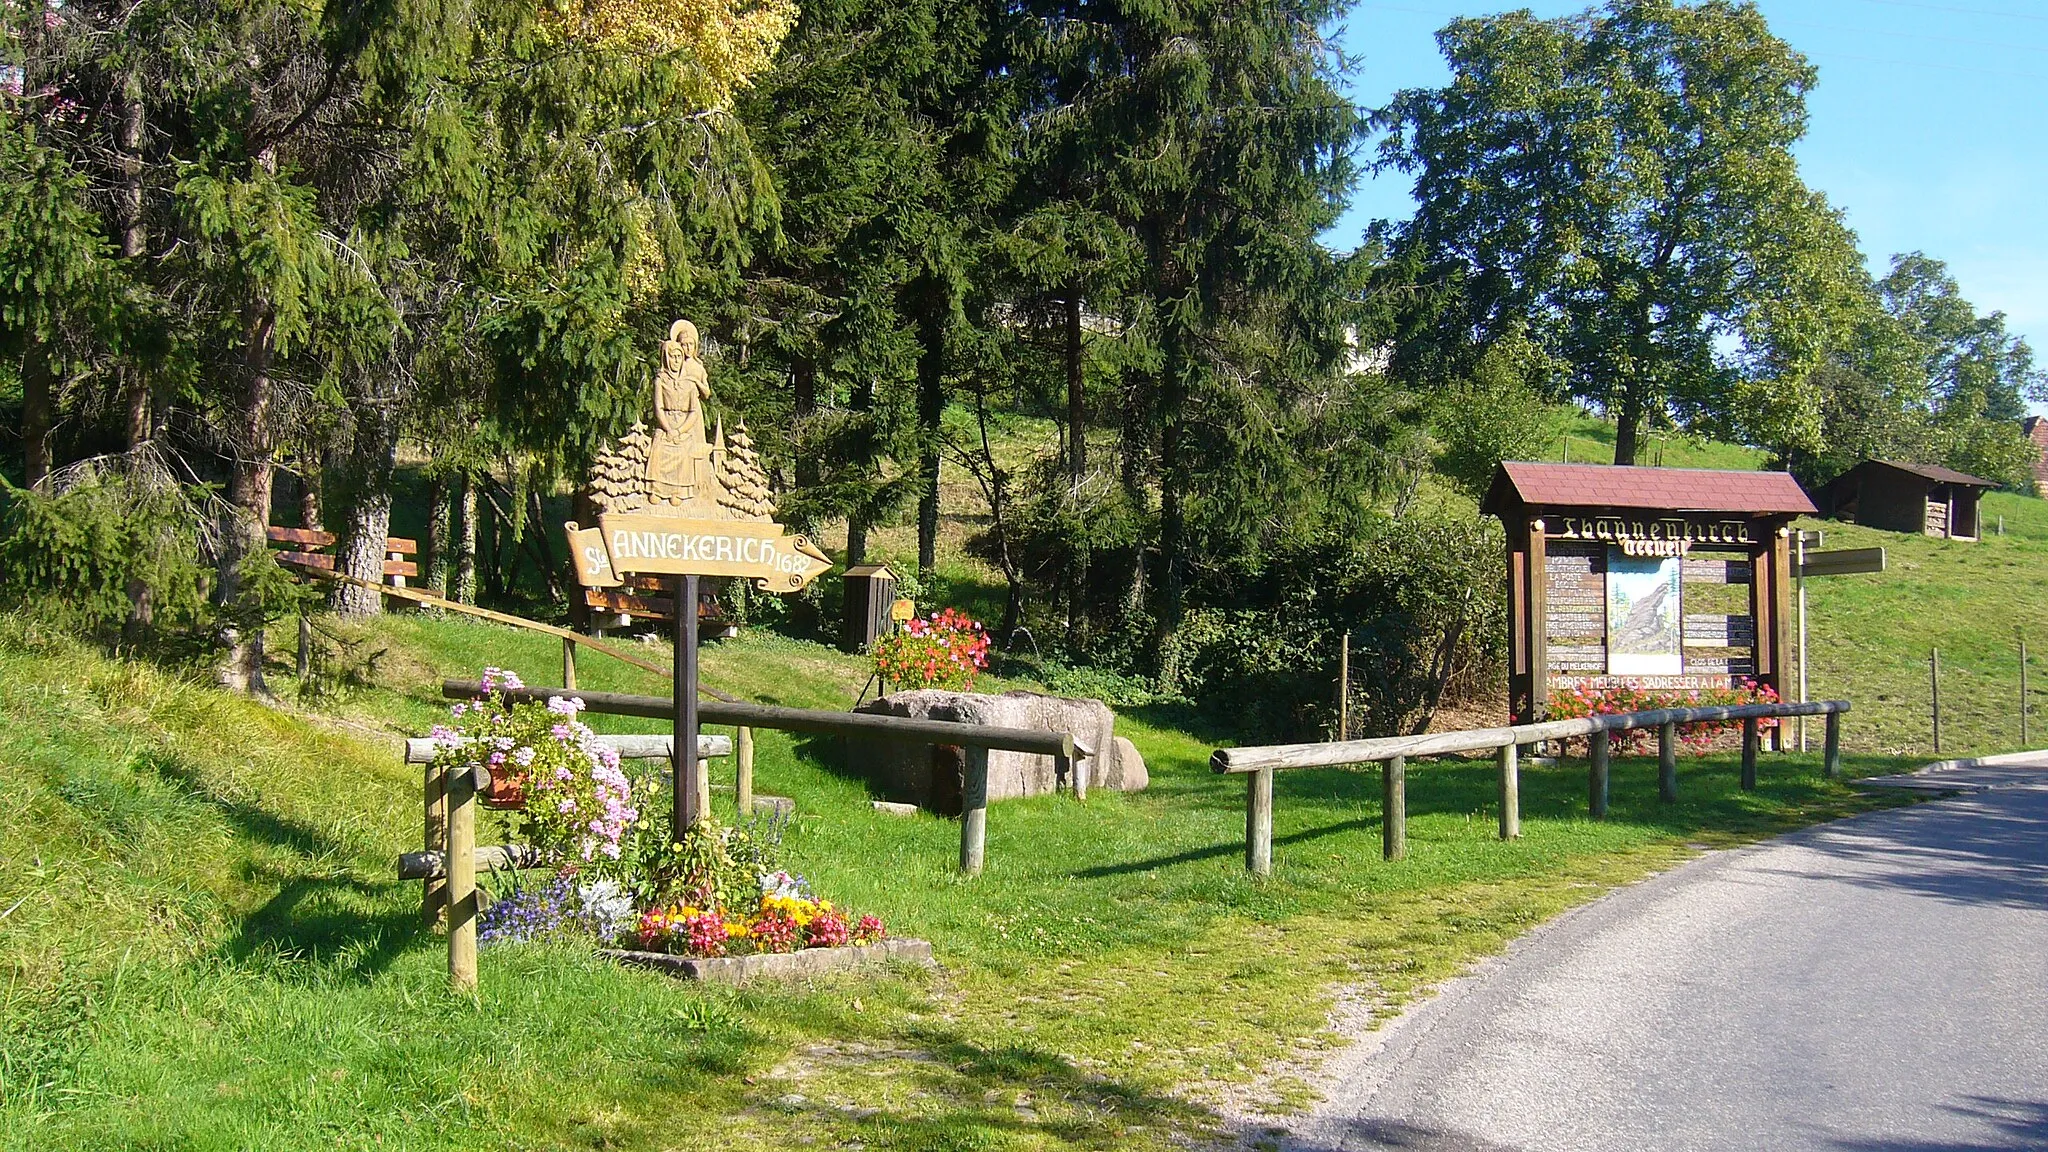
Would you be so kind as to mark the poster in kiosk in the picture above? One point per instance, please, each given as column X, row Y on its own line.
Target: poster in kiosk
column 1651, row 577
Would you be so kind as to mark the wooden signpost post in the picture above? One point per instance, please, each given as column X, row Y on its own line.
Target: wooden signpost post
column 674, row 501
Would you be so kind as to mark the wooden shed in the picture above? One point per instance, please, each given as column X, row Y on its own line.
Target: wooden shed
column 1924, row 498
column 870, row 595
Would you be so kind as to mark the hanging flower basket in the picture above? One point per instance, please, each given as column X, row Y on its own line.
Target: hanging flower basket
column 507, row 790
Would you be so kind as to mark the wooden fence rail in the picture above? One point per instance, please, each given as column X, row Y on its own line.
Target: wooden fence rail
column 1260, row 763
column 977, row 739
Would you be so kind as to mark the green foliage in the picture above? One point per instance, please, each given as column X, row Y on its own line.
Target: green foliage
column 1621, row 184
column 82, row 557
column 1495, row 414
column 1422, row 598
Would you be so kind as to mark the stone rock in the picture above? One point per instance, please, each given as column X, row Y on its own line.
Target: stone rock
column 930, row 776
column 1126, row 770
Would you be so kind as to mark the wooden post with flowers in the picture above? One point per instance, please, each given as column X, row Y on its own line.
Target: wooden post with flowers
column 681, row 500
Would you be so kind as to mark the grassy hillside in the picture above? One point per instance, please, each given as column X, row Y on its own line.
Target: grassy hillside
column 1870, row 636
column 204, row 947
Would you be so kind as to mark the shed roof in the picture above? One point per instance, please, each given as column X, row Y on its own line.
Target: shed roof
column 1667, row 489
column 1934, row 472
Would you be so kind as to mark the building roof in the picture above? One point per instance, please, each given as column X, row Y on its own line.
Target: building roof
column 1934, row 472
column 1663, row 489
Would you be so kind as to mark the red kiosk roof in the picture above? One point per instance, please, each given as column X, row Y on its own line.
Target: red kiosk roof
column 1533, row 485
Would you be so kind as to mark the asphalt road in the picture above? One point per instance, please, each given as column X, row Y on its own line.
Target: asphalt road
column 1877, row 983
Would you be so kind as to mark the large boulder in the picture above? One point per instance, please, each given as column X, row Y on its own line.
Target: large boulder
column 930, row 777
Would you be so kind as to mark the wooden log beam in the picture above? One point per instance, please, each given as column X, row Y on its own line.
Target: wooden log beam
column 1510, row 792
column 1258, row 823
column 1394, row 808
column 462, row 901
column 432, row 866
column 1667, row 762
column 974, row 813
column 421, row 749
column 1337, row 753
column 1033, row 740
column 1598, row 749
column 1749, row 742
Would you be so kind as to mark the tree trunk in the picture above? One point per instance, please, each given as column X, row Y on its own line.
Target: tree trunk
column 38, row 411
column 134, row 384
column 931, row 410
column 439, row 545
column 857, row 518
column 366, row 519
column 1628, row 426
column 464, row 589
column 1172, row 515
column 1077, row 398
column 1077, row 469
column 248, row 493
column 803, row 377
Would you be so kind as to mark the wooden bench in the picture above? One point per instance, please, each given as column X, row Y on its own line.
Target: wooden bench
column 653, row 598
column 312, row 548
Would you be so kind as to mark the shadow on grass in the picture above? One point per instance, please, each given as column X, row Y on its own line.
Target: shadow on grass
column 321, row 911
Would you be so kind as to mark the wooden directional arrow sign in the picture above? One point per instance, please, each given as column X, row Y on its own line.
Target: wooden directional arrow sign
column 1841, row 562
column 682, row 498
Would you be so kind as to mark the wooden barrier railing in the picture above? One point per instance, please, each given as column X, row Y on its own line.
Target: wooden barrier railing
column 449, row 859
column 1260, row 763
column 977, row 739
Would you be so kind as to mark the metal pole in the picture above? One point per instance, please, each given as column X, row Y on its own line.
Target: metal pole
column 1801, row 545
column 1344, row 688
column 1934, row 693
column 2023, row 693
column 684, row 768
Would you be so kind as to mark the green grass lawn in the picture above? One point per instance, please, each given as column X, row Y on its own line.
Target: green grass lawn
column 1870, row 637
column 205, row 948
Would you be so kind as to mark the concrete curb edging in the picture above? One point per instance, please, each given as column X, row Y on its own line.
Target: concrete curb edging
column 1929, row 779
column 1983, row 761
column 777, row 965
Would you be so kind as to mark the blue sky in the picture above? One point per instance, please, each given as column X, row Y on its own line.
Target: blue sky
column 1929, row 127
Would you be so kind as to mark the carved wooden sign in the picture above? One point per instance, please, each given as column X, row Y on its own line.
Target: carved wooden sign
column 673, row 500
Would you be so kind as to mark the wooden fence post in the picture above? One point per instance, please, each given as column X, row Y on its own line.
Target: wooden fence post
column 1394, row 807
column 568, row 664
column 1344, row 688
column 1749, row 741
column 1667, row 762
column 1934, row 693
column 1258, row 823
column 743, row 781
column 974, row 813
column 305, row 665
column 434, row 811
column 1597, row 750
column 1831, row 747
column 703, row 788
column 1510, row 792
column 461, row 869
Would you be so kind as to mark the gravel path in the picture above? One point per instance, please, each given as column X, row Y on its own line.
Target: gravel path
column 1876, row 983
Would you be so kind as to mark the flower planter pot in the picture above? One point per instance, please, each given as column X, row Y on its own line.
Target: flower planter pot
column 778, row 965
column 507, row 790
